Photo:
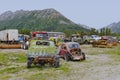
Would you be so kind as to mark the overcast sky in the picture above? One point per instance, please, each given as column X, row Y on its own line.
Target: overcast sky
column 93, row 13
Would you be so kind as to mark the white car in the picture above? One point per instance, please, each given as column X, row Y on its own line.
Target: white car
column 95, row 37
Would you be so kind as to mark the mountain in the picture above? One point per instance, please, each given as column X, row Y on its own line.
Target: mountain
column 115, row 27
column 85, row 26
column 47, row 20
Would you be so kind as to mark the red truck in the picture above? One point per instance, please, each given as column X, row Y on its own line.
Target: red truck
column 39, row 34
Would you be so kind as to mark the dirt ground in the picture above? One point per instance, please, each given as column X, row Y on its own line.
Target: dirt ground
column 97, row 66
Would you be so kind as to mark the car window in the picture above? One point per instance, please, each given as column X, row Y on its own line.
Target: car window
column 73, row 46
column 42, row 43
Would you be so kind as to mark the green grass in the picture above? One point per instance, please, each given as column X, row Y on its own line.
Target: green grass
column 115, row 54
column 115, row 50
column 5, row 77
column 88, row 49
column 49, row 73
column 64, row 69
column 6, row 58
column 35, row 73
column 11, row 70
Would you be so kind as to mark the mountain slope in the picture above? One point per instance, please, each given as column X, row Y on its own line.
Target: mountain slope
column 47, row 20
column 115, row 27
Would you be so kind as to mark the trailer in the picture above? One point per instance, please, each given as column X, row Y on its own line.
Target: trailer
column 9, row 35
column 10, row 46
column 9, row 39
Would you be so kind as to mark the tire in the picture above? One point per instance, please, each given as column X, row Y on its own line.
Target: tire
column 42, row 64
column 83, row 54
column 66, row 57
column 56, row 65
column 29, row 64
column 86, row 42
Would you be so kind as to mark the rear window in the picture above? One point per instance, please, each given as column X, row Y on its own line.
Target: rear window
column 42, row 43
column 44, row 36
column 74, row 46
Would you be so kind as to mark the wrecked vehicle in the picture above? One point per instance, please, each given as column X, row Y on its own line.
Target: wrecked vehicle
column 71, row 51
column 76, row 38
column 42, row 52
column 102, row 44
column 105, row 42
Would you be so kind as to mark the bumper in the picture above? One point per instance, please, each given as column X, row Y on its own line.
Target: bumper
column 77, row 57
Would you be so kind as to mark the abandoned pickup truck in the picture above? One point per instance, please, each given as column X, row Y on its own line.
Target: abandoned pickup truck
column 71, row 51
column 42, row 52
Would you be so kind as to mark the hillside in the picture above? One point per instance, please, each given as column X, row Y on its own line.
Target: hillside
column 47, row 20
column 115, row 27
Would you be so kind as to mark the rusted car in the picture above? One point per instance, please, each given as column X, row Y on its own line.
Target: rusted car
column 42, row 52
column 102, row 43
column 112, row 39
column 71, row 51
column 105, row 42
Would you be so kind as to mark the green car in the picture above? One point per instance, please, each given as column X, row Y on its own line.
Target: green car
column 42, row 52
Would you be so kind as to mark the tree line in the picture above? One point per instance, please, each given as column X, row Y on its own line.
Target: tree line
column 102, row 32
column 92, row 31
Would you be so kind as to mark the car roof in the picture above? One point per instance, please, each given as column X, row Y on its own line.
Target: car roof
column 71, row 43
column 41, row 40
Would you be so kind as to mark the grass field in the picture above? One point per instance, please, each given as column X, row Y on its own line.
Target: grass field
column 100, row 64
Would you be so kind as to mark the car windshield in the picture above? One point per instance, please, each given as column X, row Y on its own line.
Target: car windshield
column 73, row 46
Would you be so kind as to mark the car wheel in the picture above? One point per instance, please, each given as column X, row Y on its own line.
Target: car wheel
column 42, row 64
column 66, row 56
column 83, row 54
column 56, row 62
column 86, row 42
column 29, row 64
